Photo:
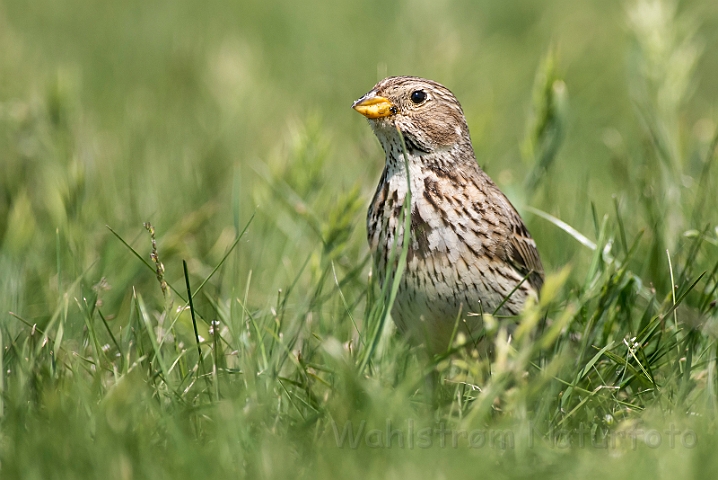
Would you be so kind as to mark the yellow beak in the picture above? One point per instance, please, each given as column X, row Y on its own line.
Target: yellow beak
column 374, row 107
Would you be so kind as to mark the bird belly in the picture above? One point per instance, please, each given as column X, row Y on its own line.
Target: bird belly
column 441, row 294
column 452, row 276
column 438, row 298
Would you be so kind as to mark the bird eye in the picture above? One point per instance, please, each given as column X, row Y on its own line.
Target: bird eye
column 418, row 96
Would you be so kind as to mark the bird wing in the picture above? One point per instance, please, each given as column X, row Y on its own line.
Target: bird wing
column 523, row 255
column 521, row 250
column 515, row 245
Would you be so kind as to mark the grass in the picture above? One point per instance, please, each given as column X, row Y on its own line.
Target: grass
column 240, row 333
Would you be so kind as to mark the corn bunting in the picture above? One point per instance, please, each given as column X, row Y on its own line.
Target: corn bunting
column 469, row 251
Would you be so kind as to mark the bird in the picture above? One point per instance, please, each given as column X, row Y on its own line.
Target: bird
column 469, row 252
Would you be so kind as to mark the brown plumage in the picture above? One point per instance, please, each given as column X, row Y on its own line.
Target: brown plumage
column 468, row 249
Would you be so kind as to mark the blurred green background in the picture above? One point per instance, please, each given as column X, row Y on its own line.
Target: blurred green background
column 194, row 116
column 175, row 112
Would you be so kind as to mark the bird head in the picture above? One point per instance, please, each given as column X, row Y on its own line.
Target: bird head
column 425, row 112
